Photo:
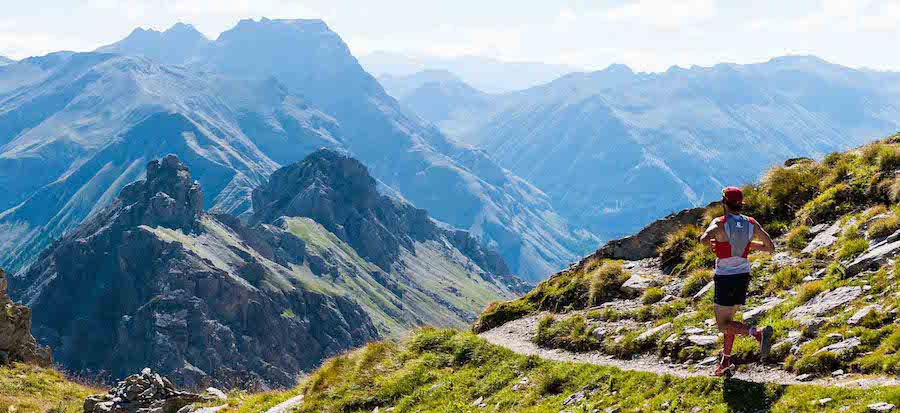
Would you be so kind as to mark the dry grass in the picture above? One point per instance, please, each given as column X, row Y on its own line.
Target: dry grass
column 26, row 388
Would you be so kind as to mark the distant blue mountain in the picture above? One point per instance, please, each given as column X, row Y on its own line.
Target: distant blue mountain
column 486, row 74
column 615, row 149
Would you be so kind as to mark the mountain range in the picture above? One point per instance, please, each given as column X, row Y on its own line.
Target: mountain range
column 615, row 149
column 75, row 128
column 325, row 263
column 483, row 73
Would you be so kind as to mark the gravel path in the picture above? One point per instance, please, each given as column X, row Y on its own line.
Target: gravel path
column 516, row 336
column 286, row 405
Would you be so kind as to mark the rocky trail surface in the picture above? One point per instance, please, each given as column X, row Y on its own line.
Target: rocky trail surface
column 516, row 335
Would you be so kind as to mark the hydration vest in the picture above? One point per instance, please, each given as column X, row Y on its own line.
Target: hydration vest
column 731, row 255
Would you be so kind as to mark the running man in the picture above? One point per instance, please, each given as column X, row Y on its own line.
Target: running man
column 731, row 237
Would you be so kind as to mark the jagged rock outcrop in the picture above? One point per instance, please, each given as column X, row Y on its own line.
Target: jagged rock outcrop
column 16, row 341
column 337, row 191
column 151, row 280
column 644, row 243
column 146, row 392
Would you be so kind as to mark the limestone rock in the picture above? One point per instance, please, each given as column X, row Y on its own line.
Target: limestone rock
column 880, row 407
column 860, row 314
column 653, row 332
column 877, row 255
column 823, row 239
column 636, row 284
column 144, row 392
column 16, row 341
column 703, row 341
column 825, row 302
column 703, row 291
column 842, row 347
column 753, row 315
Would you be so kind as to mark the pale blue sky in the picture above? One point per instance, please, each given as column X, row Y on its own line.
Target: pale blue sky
column 648, row 35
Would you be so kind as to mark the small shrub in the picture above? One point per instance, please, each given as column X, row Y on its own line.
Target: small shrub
column 885, row 157
column 798, row 238
column 571, row 333
column 832, row 203
column 605, row 281
column 671, row 252
column 832, row 159
column 786, row 278
column 872, row 212
column 695, row 282
column 820, row 254
column 852, row 248
column 550, row 380
column 884, row 227
column 652, row 295
column 821, row 363
column 698, row 257
column 809, row 290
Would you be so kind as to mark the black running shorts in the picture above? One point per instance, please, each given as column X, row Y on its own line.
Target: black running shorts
column 731, row 289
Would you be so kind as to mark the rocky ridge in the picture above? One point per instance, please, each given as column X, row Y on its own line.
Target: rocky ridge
column 326, row 264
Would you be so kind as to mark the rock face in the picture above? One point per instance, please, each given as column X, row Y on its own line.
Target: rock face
column 131, row 288
column 644, row 243
column 146, row 393
column 16, row 341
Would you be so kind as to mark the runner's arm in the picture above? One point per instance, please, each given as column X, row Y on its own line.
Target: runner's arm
column 762, row 240
column 710, row 234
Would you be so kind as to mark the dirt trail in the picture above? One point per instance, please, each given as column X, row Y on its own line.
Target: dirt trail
column 516, row 336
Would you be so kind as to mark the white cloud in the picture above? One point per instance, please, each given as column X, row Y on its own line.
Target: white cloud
column 836, row 15
column 661, row 13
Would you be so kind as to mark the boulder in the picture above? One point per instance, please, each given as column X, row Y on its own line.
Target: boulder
column 599, row 333
column 877, row 255
column 753, row 315
column 841, row 347
column 16, row 341
column 146, row 392
column 703, row 291
column 824, row 238
column 860, row 315
column 653, row 332
column 812, row 326
column 636, row 284
column 880, row 407
column 703, row 341
column 825, row 302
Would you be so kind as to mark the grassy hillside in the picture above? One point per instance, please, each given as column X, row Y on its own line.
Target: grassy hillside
column 25, row 389
column 449, row 371
column 853, row 195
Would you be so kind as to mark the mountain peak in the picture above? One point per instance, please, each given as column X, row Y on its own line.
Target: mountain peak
column 166, row 197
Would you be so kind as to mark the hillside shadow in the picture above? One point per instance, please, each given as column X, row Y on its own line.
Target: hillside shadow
column 747, row 396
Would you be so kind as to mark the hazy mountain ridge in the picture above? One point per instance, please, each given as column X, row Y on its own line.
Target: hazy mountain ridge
column 665, row 141
column 218, row 297
column 236, row 110
column 483, row 73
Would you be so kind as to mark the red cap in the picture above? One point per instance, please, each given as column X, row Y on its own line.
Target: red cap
column 733, row 195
